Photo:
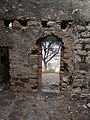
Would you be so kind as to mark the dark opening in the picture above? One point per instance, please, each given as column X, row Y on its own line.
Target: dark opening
column 3, row 59
column 4, row 66
column 64, row 24
column 34, row 51
column 7, row 22
column 44, row 24
column 23, row 22
column 87, row 23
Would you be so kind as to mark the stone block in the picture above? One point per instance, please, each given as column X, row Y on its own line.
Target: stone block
column 88, row 59
column 87, row 46
column 15, row 78
column 85, row 35
column 32, row 81
column 77, row 90
column 19, row 84
column 81, row 28
column 65, row 79
column 33, row 71
column 85, row 90
column 62, row 89
column 81, row 52
column 82, row 72
column 35, row 67
column 28, row 87
column 64, row 85
column 79, row 76
column 88, row 105
column 79, row 82
column 34, row 84
column 1, row 23
column 77, row 58
column 24, row 80
column 16, row 25
column 50, row 23
column 88, row 27
column 78, row 46
column 88, row 53
column 33, row 76
column 84, row 40
column 32, row 23
column 33, row 60
column 66, row 56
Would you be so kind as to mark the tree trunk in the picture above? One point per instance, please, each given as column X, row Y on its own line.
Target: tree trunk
column 45, row 65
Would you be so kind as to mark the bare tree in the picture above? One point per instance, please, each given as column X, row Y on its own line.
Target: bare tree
column 50, row 48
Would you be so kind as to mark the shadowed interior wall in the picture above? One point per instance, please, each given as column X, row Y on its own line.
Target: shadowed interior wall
column 4, row 66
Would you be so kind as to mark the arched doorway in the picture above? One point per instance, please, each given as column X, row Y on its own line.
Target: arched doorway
column 49, row 63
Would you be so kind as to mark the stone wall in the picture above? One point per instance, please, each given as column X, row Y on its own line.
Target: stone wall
column 81, row 79
column 24, row 53
column 23, row 23
column 33, row 9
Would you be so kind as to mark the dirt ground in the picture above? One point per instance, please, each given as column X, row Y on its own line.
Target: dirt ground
column 17, row 104
column 50, row 82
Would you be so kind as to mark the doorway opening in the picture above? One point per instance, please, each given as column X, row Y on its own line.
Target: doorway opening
column 4, row 67
column 50, row 52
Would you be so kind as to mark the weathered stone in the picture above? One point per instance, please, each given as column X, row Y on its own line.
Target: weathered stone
column 32, row 23
column 82, row 72
column 84, row 40
column 33, row 76
column 64, row 85
column 63, row 89
column 33, row 60
column 19, row 84
column 85, row 90
column 35, row 67
column 77, row 90
column 15, row 78
column 1, row 23
column 87, row 46
column 84, row 66
column 30, row 26
column 88, row 27
column 88, row 53
column 50, row 23
column 81, row 52
column 79, row 76
column 85, row 35
column 88, row 105
column 77, row 58
column 88, row 59
column 85, row 106
column 80, row 28
column 16, row 25
column 28, row 87
column 65, row 79
column 78, row 46
column 32, row 82
column 79, row 82
column 24, row 80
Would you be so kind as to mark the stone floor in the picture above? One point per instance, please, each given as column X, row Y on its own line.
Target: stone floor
column 17, row 104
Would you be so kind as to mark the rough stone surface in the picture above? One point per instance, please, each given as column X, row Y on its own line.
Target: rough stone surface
column 19, row 105
column 24, row 23
column 82, row 61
